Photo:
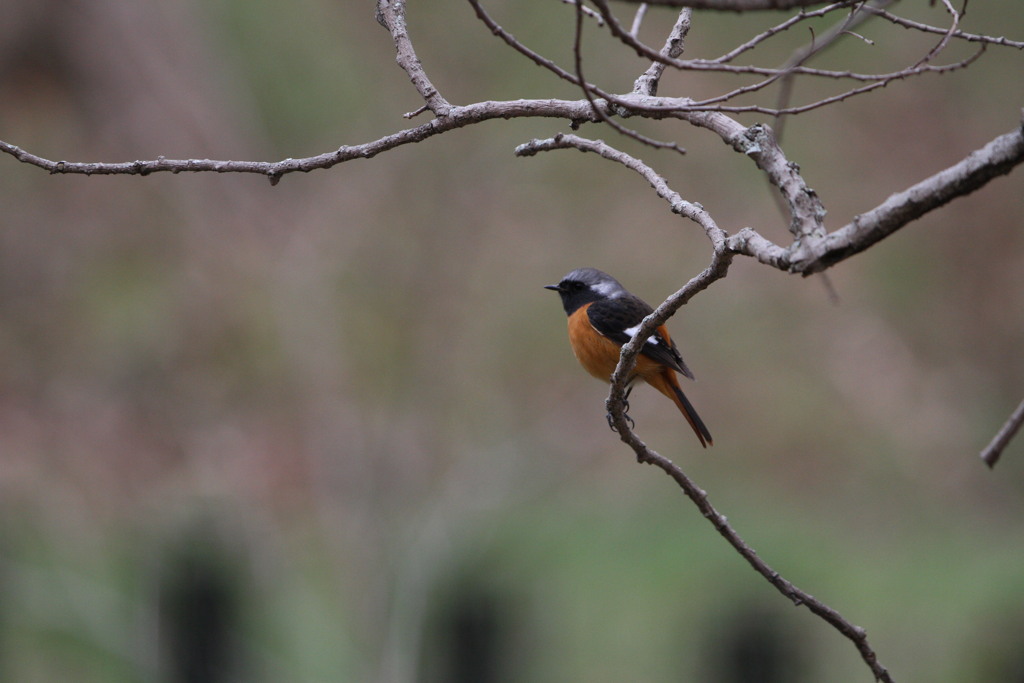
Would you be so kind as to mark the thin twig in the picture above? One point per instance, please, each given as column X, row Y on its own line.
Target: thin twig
column 391, row 15
column 779, row 28
column 458, row 117
column 512, row 42
column 647, row 83
column 959, row 35
column 801, row 56
column 732, row 5
column 638, row 18
column 773, row 75
column 586, row 10
column 670, row 57
column 677, row 204
column 990, row 456
column 598, row 111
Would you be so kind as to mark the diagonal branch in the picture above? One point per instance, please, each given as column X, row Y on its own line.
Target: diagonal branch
column 856, row 634
column 990, row 456
column 391, row 15
column 647, row 83
column 679, row 205
column 615, row 405
column 808, row 256
column 998, row 157
column 512, row 42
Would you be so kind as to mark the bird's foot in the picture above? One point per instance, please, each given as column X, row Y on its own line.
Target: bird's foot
column 625, row 415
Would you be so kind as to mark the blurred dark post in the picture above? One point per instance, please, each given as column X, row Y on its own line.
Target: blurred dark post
column 469, row 638
column 198, row 614
column 755, row 647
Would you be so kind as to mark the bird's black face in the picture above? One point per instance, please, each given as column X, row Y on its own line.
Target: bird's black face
column 583, row 286
column 574, row 294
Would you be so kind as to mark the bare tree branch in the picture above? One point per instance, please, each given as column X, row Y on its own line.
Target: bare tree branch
column 668, row 56
column 855, row 18
column 735, row 5
column 997, row 158
column 960, row 35
column 391, row 15
column 457, row 117
column 638, row 19
column 586, row 10
column 577, row 51
column 806, row 256
column 647, row 83
column 990, row 456
column 661, row 187
column 815, row 255
column 511, row 41
column 799, row 597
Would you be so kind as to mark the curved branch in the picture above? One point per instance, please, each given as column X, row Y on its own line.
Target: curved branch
column 694, row 212
column 457, row 117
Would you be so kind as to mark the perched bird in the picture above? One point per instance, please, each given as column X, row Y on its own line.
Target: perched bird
column 603, row 316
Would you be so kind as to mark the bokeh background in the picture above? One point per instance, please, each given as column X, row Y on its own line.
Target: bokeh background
column 332, row 431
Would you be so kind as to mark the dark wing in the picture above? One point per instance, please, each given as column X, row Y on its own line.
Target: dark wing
column 617, row 318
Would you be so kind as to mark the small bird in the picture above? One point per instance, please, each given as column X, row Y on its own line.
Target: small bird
column 603, row 316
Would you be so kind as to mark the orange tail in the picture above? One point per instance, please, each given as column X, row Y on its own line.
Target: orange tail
column 666, row 382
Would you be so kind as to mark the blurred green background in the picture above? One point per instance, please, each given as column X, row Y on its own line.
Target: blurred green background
column 332, row 430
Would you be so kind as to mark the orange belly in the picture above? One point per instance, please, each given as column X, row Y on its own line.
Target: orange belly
column 598, row 354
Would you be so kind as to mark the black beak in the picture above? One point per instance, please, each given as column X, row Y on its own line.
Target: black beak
column 557, row 288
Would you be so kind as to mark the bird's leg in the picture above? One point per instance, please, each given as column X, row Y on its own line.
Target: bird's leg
column 625, row 411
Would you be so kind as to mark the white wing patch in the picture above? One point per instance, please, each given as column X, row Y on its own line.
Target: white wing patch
column 610, row 290
column 632, row 330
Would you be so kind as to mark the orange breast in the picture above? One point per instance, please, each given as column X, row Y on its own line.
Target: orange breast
column 598, row 354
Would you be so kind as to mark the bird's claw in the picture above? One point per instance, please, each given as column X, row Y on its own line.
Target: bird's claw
column 625, row 416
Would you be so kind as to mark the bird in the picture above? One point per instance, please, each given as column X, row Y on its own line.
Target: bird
column 603, row 316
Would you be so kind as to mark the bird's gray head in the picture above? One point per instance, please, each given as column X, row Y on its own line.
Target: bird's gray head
column 585, row 285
